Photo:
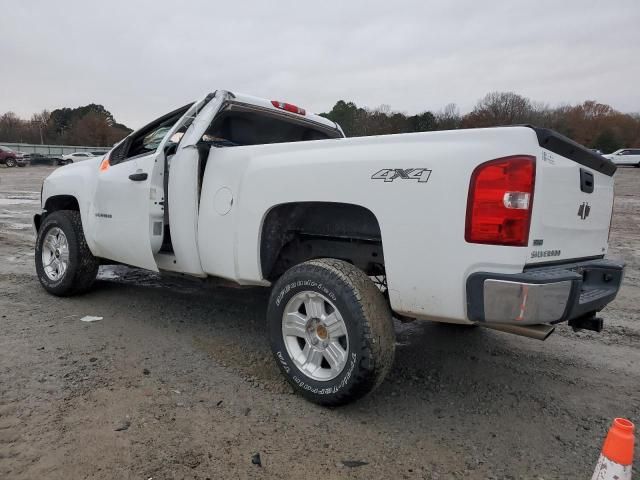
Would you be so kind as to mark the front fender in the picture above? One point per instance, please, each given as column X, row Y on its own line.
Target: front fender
column 77, row 180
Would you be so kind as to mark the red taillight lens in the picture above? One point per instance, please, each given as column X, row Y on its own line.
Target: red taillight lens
column 500, row 201
column 288, row 107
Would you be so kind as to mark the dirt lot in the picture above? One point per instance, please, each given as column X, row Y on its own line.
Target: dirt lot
column 177, row 381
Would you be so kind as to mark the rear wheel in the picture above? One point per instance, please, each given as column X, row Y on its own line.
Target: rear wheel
column 331, row 331
column 64, row 263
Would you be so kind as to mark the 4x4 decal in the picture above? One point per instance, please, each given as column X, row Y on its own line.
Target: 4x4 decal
column 390, row 174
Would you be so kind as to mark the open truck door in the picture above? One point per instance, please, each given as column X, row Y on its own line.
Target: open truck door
column 183, row 189
column 127, row 215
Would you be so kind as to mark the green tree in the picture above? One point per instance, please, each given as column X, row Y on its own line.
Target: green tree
column 423, row 122
column 607, row 141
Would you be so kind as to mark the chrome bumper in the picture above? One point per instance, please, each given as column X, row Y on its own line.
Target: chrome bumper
column 548, row 294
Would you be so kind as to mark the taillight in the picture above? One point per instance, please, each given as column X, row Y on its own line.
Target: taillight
column 288, row 107
column 500, row 201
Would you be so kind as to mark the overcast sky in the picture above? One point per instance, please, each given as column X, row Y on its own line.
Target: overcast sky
column 141, row 59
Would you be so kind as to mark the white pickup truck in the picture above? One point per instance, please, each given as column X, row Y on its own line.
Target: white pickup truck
column 501, row 227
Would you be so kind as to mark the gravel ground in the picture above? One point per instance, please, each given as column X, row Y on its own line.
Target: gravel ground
column 177, row 381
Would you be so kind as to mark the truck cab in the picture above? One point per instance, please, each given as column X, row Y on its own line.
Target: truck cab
column 145, row 213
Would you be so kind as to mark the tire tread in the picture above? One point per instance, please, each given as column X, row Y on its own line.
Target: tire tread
column 378, row 336
column 86, row 269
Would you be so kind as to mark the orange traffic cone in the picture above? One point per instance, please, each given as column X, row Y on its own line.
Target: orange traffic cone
column 616, row 459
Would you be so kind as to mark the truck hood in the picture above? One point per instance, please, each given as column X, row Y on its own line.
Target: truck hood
column 89, row 163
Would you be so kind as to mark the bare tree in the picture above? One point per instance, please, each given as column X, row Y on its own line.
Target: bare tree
column 449, row 117
column 41, row 121
column 10, row 127
column 501, row 108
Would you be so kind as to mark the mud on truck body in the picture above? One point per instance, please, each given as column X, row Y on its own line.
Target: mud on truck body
column 502, row 227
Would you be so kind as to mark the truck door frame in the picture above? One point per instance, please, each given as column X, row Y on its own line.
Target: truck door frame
column 183, row 194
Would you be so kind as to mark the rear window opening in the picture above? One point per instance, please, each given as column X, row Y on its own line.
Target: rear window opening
column 244, row 125
column 239, row 125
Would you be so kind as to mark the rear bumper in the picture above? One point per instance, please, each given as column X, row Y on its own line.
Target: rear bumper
column 548, row 294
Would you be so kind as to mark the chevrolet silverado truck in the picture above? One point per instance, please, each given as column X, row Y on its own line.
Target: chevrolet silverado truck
column 506, row 228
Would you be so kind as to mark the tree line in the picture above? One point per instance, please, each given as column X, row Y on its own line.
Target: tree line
column 592, row 124
column 90, row 125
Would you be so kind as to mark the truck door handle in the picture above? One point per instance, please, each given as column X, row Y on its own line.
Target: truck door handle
column 138, row 176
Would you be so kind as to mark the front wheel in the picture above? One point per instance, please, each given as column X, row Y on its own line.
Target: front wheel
column 331, row 331
column 64, row 263
column 10, row 162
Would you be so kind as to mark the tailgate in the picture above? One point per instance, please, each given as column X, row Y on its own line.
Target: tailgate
column 572, row 202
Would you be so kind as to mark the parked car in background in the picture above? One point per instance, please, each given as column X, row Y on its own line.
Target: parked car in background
column 599, row 152
column 625, row 156
column 11, row 158
column 100, row 153
column 40, row 159
column 75, row 157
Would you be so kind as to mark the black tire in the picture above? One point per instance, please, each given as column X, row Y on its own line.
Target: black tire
column 368, row 322
column 22, row 164
column 10, row 162
column 82, row 265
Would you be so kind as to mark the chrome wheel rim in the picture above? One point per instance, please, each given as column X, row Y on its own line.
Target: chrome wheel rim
column 315, row 336
column 55, row 254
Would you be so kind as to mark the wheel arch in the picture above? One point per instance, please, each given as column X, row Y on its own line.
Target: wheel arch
column 53, row 204
column 295, row 232
column 61, row 202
